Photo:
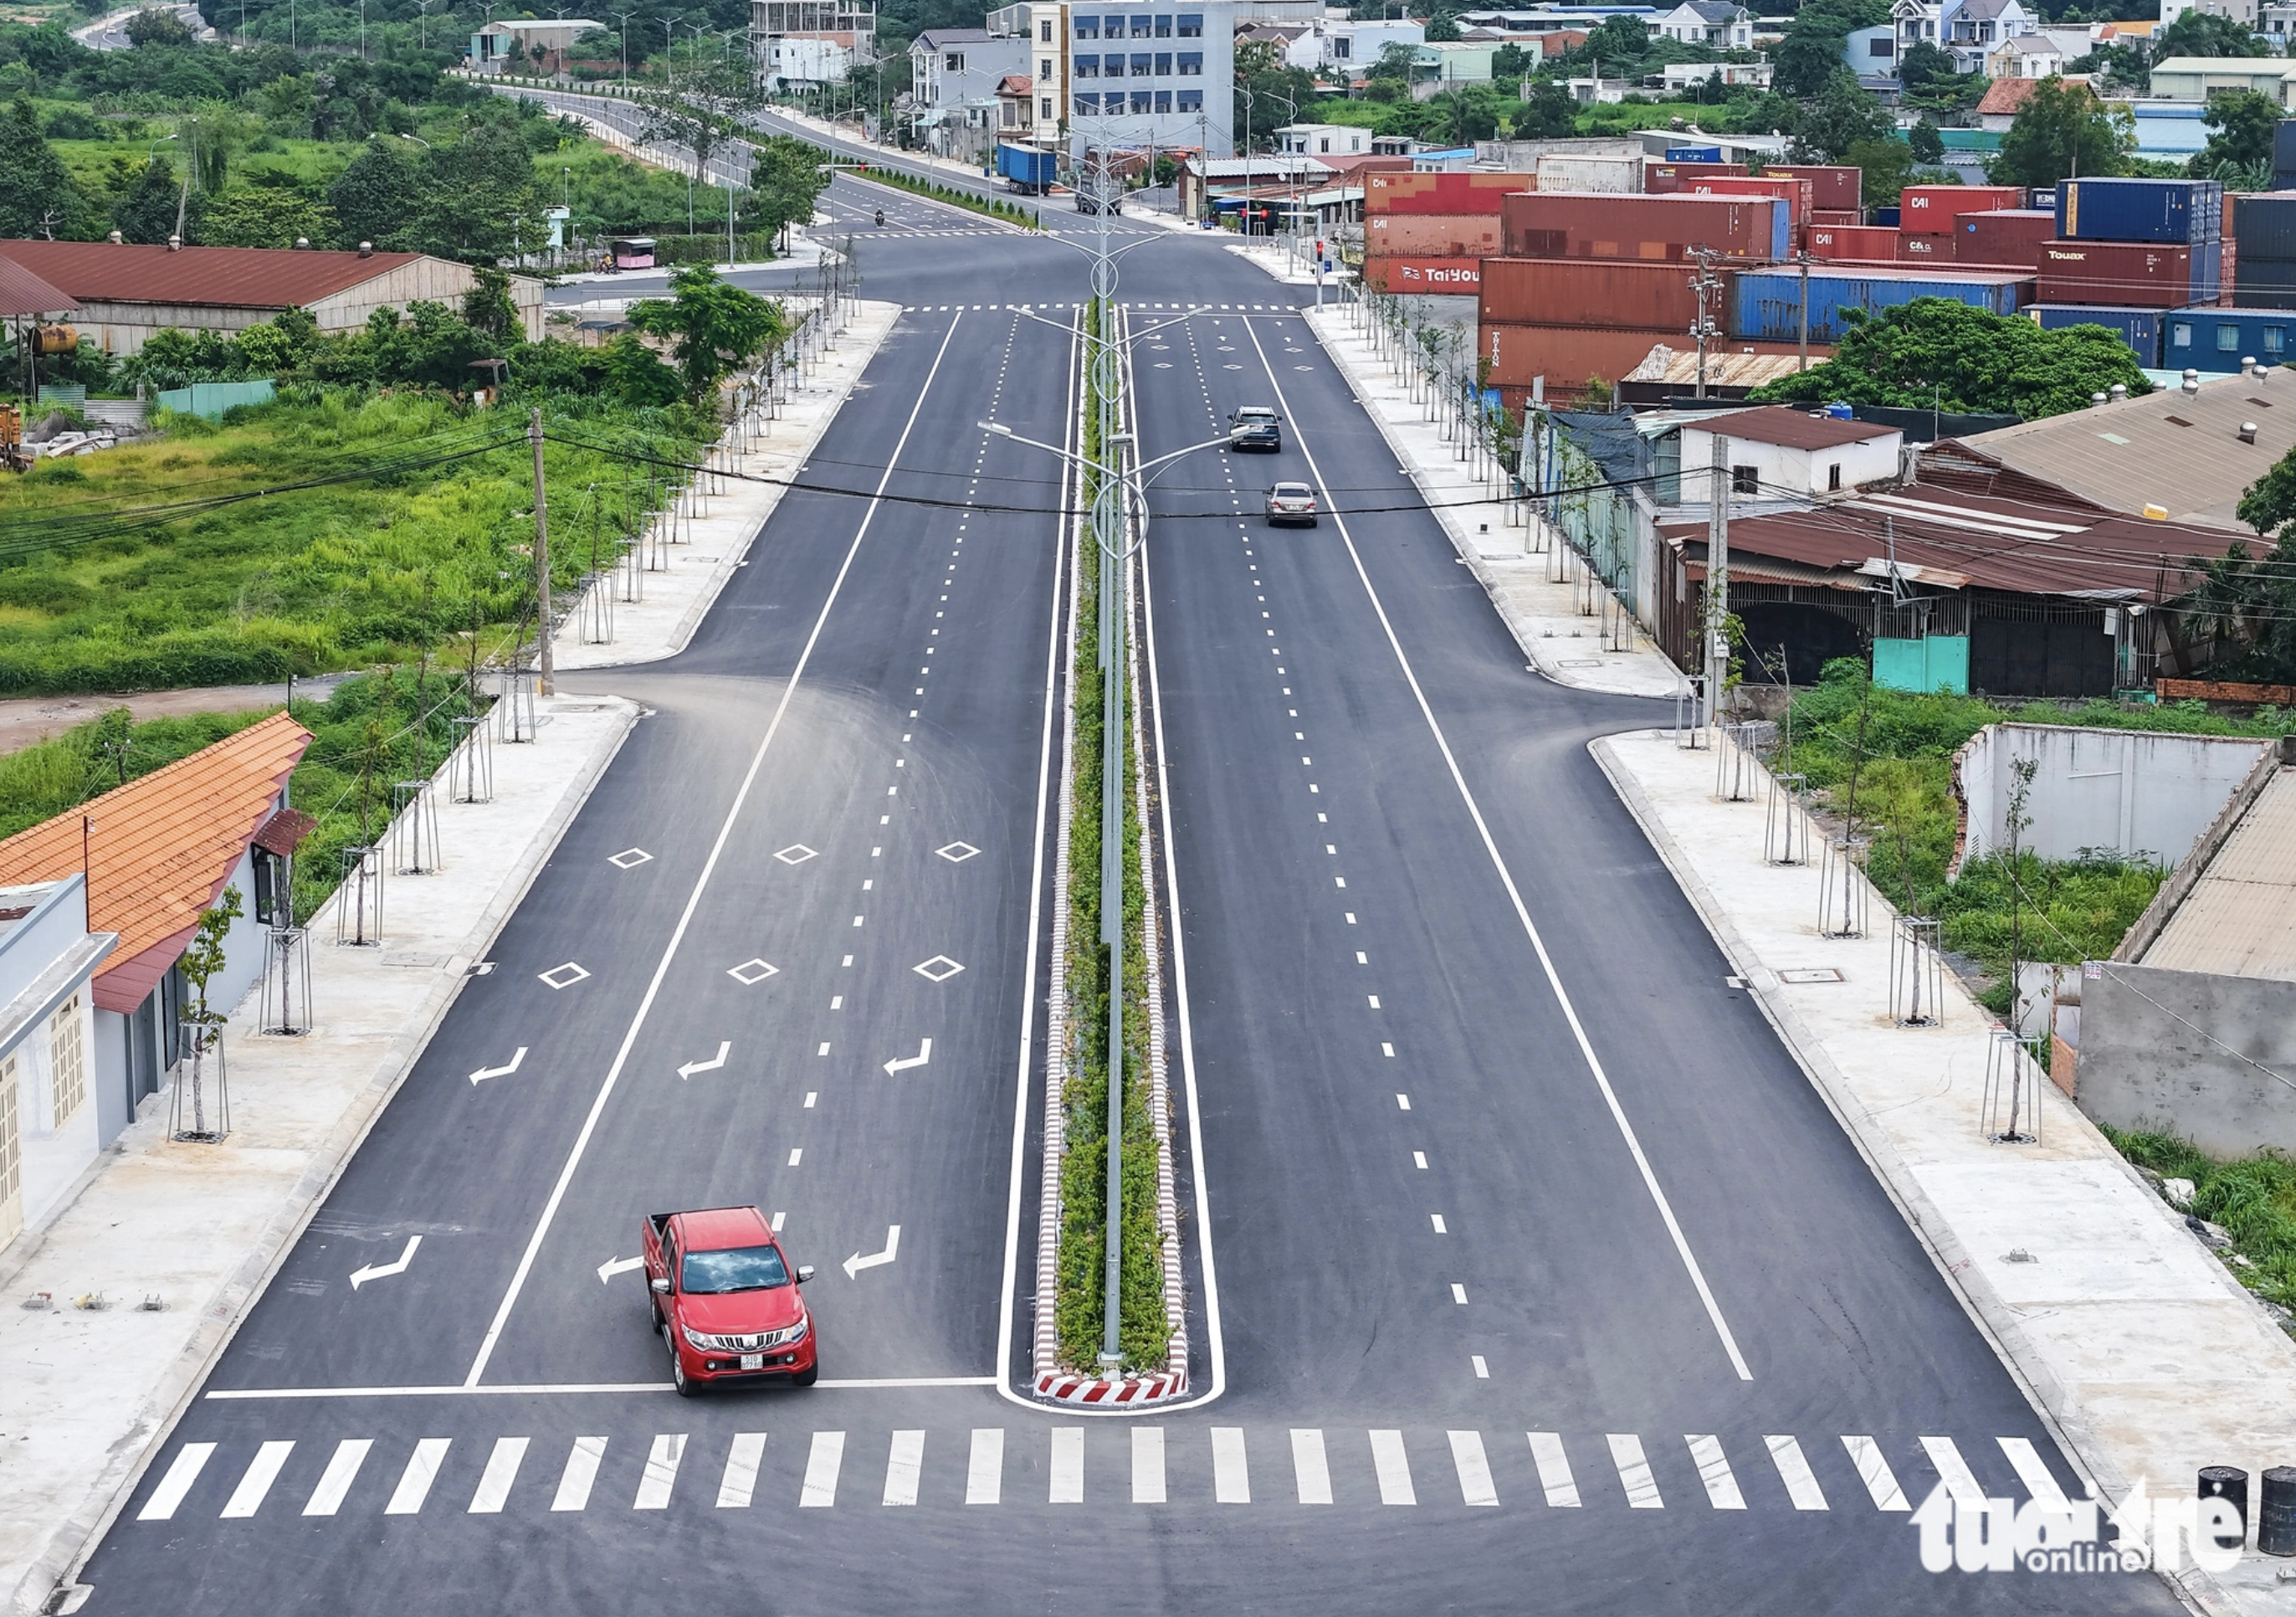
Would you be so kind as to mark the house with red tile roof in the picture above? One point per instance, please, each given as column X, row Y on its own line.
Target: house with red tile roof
column 155, row 853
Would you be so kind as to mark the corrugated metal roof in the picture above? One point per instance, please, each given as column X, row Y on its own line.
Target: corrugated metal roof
column 1947, row 535
column 2179, row 451
column 1724, row 368
column 22, row 293
column 1794, row 429
column 2240, row 918
column 228, row 277
column 159, row 848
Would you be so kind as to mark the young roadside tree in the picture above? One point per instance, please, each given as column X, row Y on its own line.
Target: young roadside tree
column 712, row 327
column 2062, row 130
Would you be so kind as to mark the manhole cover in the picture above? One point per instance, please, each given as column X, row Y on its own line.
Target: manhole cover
column 1810, row 974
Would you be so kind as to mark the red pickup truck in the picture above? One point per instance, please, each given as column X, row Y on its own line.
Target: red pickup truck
column 725, row 1299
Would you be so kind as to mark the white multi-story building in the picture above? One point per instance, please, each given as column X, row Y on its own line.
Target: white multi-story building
column 1042, row 24
column 1715, row 22
column 850, row 25
column 1154, row 76
column 801, row 61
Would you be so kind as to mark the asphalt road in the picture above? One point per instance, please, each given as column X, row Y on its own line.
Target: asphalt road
column 1499, row 1333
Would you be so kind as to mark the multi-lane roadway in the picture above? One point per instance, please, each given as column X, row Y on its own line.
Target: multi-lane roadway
column 1544, row 1278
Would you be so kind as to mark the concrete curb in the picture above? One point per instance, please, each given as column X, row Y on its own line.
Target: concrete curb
column 77, row 1535
column 1533, row 652
column 1994, row 1319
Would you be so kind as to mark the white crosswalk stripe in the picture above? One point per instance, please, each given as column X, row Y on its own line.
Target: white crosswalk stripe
column 1880, row 1480
column 1165, row 1464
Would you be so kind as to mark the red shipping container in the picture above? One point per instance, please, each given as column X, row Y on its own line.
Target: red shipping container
column 2231, row 261
column 1433, row 235
column 1854, row 243
column 1452, row 193
column 1400, row 274
column 1662, row 179
column 1920, row 248
column 1591, row 292
column 1798, row 193
column 1595, row 225
column 2011, row 236
column 1839, row 187
column 1837, row 216
column 2126, row 275
column 1934, row 208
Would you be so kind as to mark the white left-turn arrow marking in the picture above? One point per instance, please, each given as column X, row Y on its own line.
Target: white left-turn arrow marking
column 857, row 1263
column 379, row 1272
column 612, row 1267
column 903, row 1064
column 501, row 1071
column 691, row 1067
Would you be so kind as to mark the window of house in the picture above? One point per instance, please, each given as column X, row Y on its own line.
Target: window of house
column 2273, row 335
column 1044, row 66
column 1045, row 32
column 1192, row 25
column 11, row 1155
column 954, row 61
column 1143, row 28
column 1087, row 67
column 1112, row 27
column 1340, row 44
column 1043, row 106
column 270, row 887
column 1833, row 478
column 2180, row 333
column 1087, row 28
column 1881, row 47
column 1190, row 62
column 1191, row 100
column 1163, row 101
column 68, row 1060
column 1141, row 62
column 1745, row 480
column 1163, row 64
column 1163, row 28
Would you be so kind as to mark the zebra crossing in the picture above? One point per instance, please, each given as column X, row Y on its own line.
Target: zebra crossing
column 1139, row 1464
column 1236, row 308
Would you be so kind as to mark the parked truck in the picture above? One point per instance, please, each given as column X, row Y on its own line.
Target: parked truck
column 1026, row 169
column 724, row 1299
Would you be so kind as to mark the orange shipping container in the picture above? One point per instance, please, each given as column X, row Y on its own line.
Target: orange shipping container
column 1839, row 185
column 1660, row 179
column 1934, row 208
column 1446, row 193
column 1433, row 235
column 1854, row 243
column 1836, row 215
column 1591, row 292
column 1589, row 225
column 1451, row 275
column 1799, row 195
column 1915, row 247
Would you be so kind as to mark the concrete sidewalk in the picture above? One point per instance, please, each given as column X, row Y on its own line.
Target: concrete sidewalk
column 1532, row 577
column 199, row 1229
column 2126, row 1332
column 729, row 517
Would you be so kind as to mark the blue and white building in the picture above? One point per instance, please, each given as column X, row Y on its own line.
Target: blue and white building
column 1155, row 76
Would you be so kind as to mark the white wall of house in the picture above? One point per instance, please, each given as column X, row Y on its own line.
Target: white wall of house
column 1779, row 469
column 49, row 1126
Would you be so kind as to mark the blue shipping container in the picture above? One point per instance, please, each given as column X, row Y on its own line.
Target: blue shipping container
column 2139, row 328
column 1766, row 306
column 2141, row 211
column 1888, row 217
column 2208, row 272
column 1693, row 154
column 2217, row 339
column 1027, row 170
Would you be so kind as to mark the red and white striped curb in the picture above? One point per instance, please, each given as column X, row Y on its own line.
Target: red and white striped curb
column 1129, row 1392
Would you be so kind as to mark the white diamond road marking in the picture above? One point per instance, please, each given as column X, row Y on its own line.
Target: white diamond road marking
column 570, row 972
column 957, row 853
column 751, row 972
column 796, row 853
column 940, row 968
column 629, row 858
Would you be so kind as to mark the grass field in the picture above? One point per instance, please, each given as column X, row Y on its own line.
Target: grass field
column 114, row 579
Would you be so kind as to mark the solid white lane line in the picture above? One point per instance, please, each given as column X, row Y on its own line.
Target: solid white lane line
column 1954, row 1471
column 1794, row 1470
column 1231, row 1474
column 700, row 885
column 739, row 1483
column 821, row 1468
column 1635, row 1471
column 414, row 1481
column 1874, row 1471
column 501, row 1471
column 1522, row 912
column 984, row 1471
column 335, row 1482
column 255, row 1480
column 1311, row 1472
column 1554, row 1470
column 661, row 1475
column 1714, row 1471
column 1393, row 1468
column 1067, row 1487
column 905, row 1467
column 2034, row 1472
column 581, row 1470
column 1474, row 1468
column 182, row 1473
column 1148, row 1465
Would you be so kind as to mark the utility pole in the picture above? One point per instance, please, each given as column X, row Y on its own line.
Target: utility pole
column 1718, row 578
column 545, row 680
column 1707, row 284
column 1802, row 258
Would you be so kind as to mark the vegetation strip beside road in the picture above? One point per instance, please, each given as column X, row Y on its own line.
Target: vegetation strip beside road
column 1081, row 1057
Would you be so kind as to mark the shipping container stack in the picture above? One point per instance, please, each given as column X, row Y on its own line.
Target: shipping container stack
column 1429, row 233
column 2131, row 255
column 2264, row 271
